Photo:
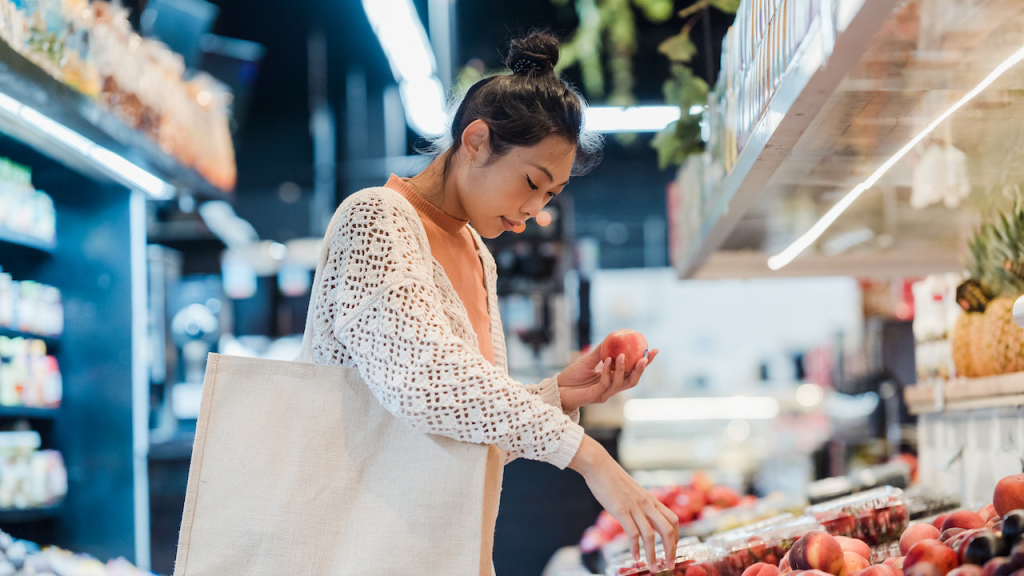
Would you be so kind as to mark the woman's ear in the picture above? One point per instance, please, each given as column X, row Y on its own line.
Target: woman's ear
column 476, row 141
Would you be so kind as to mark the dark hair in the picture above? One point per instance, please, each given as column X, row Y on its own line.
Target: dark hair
column 525, row 107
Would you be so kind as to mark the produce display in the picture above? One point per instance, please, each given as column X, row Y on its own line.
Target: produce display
column 877, row 516
column 987, row 542
column 699, row 499
column 764, row 543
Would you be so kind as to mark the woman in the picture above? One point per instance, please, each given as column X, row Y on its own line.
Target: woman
column 408, row 293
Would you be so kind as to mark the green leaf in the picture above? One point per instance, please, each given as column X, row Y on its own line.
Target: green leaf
column 727, row 6
column 657, row 11
column 678, row 48
column 684, row 88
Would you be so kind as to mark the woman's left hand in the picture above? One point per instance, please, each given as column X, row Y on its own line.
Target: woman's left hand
column 593, row 380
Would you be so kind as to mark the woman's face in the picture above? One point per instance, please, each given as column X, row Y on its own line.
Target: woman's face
column 514, row 187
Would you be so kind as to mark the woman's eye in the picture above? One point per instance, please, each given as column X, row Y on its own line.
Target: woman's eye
column 552, row 194
column 532, row 185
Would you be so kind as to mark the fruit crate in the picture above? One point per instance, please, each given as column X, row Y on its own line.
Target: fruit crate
column 877, row 516
column 737, row 550
column 692, row 559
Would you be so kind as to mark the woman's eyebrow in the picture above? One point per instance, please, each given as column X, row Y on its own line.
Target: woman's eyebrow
column 547, row 172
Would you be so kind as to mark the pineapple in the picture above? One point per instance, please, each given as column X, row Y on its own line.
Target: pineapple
column 971, row 353
column 963, row 353
column 1005, row 340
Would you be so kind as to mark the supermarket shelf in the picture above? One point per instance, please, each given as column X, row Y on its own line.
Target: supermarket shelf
column 816, row 72
column 51, row 343
column 20, row 412
column 10, row 237
column 29, row 515
column 966, row 394
column 73, row 116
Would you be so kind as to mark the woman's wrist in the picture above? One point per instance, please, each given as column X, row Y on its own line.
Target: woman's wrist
column 588, row 456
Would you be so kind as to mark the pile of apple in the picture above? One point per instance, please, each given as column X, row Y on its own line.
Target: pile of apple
column 963, row 543
column 701, row 498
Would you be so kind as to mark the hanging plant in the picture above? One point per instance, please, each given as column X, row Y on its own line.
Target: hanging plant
column 607, row 31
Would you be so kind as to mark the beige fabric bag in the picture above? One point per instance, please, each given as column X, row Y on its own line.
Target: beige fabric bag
column 297, row 469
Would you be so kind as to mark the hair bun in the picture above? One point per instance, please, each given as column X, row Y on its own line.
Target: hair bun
column 538, row 51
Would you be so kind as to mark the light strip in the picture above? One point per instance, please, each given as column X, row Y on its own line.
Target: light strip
column 610, row 119
column 711, row 408
column 404, row 40
column 128, row 171
column 783, row 258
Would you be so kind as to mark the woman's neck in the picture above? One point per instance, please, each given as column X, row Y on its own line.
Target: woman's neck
column 431, row 184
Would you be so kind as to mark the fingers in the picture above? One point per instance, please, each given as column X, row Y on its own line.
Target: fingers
column 667, row 525
column 651, row 355
column 647, row 536
column 633, row 534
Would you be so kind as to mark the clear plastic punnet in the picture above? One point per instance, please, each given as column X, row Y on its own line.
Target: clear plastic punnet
column 768, row 542
column 877, row 516
column 692, row 559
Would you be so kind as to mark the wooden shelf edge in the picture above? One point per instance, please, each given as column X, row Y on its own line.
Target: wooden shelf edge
column 1003, row 390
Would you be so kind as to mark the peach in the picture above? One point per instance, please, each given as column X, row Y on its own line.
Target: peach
column 853, row 562
column 988, row 512
column 628, row 342
column 948, row 534
column 967, row 570
column 817, row 551
column 1009, row 494
column 895, row 561
column 784, row 563
column 915, row 533
column 854, row 545
column 761, row 569
column 931, row 552
column 963, row 519
column 939, row 520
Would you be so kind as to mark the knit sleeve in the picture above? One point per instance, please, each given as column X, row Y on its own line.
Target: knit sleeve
column 547, row 390
column 389, row 319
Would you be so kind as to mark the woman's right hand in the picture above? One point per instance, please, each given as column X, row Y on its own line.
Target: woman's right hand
column 636, row 509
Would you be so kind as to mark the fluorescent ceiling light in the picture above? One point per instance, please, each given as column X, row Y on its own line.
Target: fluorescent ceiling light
column 401, row 34
column 630, row 119
column 424, row 103
column 802, row 243
column 127, row 172
column 712, row 408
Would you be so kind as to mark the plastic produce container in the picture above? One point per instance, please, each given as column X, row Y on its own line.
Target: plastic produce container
column 877, row 516
column 693, row 559
column 737, row 550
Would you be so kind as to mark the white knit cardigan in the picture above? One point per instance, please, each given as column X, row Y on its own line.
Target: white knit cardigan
column 386, row 307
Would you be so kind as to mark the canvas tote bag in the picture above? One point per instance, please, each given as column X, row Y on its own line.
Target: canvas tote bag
column 298, row 469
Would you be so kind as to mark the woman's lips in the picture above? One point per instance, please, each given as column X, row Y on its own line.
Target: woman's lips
column 509, row 224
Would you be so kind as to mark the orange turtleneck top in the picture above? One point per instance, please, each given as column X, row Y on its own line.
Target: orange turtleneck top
column 452, row 245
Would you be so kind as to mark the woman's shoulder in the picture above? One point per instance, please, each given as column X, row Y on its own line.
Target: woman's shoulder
column 377, row 209
column 376, row 196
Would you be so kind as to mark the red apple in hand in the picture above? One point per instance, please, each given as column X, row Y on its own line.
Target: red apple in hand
column 628, row 342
